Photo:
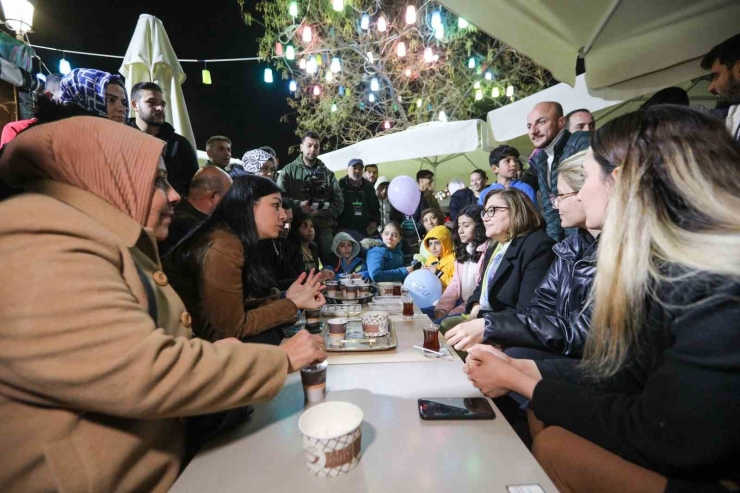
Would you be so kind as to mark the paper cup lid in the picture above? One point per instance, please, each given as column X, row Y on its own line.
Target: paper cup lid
column 330, row 420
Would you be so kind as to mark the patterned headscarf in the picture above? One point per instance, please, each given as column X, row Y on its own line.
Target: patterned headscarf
column 86, row 87
column 252, row 162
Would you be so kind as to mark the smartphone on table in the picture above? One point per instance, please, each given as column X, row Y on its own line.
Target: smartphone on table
column 455, row 408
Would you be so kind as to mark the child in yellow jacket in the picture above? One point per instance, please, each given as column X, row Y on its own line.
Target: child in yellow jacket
column 441, row 260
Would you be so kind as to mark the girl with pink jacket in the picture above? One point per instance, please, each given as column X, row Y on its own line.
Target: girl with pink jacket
column 469, row 238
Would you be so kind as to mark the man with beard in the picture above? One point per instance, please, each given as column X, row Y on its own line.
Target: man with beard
column 371, row 173
column 546, row 129
column 361, row 214
column 723, row 61
column 309, row 186
column 468, row 196
column 179, row 157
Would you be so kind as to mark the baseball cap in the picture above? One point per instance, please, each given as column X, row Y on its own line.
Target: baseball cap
column 355, row 162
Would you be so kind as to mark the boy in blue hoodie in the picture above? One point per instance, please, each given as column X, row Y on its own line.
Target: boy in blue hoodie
column 347, row 251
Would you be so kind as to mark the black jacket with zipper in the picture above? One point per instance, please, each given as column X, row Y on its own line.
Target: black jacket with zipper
column 559, row 314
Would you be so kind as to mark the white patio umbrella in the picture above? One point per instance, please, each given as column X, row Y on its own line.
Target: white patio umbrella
column 620, row 40
column 510, row 122
column 151, row 58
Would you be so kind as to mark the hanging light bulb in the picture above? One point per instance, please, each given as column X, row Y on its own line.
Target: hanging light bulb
column 495, row 93
column 401, row 49
column 302, row 64
column 442, row 116
column 462, row 23
column 329, row 76
column 341, row 90
column 510, row 91
column 370, row 57
column 428, row 55
column 338, row 5
column 319, row 60
column 206, row 76
column 436, row 19
column 317, row 90
column 418, row 103
column 471, row 62
column 439, row 31
column 292, row 86
column 408, row 72
column 365, row 22
column 435, row 58
column 476, row 85
column 335, row 65
column 268, row 75
column 382, row 24
column 311, row 67
column 374, row 85
column 293, row 9
column 278, row 49
column 410, row 14
column 64, row 66
column 371, row 98
column 307, row 35
column 489, row 75
column 334, row 107
column 478, row 94
column 386, row 124
column 290, row 52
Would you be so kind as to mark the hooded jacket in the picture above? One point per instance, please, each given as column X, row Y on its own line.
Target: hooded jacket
column 179, row 157
column 384, row 264
column 558, row 317
column 355, row 265
column 445, row 263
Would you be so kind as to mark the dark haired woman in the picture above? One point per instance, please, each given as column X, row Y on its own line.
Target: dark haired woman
column 469, row 237
column 218, row 273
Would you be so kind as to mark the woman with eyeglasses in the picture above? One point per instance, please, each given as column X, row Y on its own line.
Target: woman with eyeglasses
column 254, row 162
column 558, row 317
column 515, row 263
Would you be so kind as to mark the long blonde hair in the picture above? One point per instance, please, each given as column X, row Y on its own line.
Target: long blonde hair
column 675, row 202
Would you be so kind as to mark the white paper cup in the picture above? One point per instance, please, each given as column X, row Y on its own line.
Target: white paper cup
column 374, row 324
column 332, row 435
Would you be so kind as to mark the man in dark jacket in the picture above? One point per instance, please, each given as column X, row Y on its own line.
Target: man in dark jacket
column 180, row 159
column 208, row 187
column 361, row 214
column 723, row 61
column 546, row 127
column 468, row 196
column 311, row 187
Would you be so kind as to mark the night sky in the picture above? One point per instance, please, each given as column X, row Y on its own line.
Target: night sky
column 239, row 104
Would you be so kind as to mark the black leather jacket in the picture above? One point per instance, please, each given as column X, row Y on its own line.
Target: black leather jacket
column 558, row 317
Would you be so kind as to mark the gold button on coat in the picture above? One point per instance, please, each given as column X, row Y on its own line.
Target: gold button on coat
column 160, row 278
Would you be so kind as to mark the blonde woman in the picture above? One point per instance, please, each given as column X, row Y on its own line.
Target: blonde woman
column 656, row 405
column 558, row 316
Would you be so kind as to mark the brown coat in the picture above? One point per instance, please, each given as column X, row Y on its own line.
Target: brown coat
column 91, row 390
column 207, row 273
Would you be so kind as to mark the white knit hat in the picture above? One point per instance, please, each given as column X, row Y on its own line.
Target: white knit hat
column 380, row 181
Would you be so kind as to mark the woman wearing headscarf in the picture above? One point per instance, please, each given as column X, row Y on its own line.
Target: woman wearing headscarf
column 100, row 93
column 254, row 162
column 97, row 364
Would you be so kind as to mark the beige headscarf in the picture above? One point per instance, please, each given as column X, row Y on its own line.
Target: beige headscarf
column 113, row 161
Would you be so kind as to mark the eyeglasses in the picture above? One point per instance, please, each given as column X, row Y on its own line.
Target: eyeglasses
column 490, row 212
column 554, row 199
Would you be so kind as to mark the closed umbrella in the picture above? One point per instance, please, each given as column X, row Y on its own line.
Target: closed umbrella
column 151, row 58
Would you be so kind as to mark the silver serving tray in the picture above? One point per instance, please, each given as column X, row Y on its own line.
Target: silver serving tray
column 355, row 340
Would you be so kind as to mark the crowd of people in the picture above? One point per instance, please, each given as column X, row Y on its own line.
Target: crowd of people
column 594, row 293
